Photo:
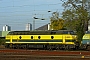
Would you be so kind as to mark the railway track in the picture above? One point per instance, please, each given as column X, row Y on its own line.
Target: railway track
column 17, row 54
column 45, row 52
column 41, row 57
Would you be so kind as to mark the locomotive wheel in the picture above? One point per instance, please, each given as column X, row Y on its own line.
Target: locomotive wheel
column 66, row 47
column 10, row 46
column 44, row 47
column 49, row 47
column 57, row 47
column 7, row 46
column 88, row 48
column 17, row 46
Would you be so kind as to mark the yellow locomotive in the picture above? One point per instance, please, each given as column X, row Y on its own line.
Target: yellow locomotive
column 61, row 39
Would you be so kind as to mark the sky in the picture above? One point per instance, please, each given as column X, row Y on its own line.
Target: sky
column 17, row 13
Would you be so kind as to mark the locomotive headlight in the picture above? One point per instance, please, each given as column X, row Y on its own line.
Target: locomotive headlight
column 87, row 42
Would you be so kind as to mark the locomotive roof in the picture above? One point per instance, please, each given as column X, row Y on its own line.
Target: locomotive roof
column 40, row 32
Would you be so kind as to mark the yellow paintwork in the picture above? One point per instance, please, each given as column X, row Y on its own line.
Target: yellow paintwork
column 43, row 37
column 47, row 37
column 11, row 39
column 86, row 36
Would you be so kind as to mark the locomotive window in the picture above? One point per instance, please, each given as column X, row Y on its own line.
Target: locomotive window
column 53, row 33
column 39, row 37
column 52, row 37
column 10, row 34
column 31, row 37
column 15, row 33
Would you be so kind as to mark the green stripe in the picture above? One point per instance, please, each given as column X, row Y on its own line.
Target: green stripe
column 37, row 40
column 40, row 40
column 69, row 40
column 7, row 40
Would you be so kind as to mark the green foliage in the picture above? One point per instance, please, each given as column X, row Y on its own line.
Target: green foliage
column 2, row 41
column 56, row 22
column 76, row 16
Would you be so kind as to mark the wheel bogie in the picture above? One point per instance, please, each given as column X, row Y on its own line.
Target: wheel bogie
column 41, row 46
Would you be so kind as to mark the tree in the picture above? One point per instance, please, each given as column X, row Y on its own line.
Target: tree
column 76, row 16
column 2, row 41
column 56, row 22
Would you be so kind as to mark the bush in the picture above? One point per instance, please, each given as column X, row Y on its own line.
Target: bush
column 2, row 41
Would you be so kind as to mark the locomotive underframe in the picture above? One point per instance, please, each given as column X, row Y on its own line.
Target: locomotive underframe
column 43, row 46
column 85, row 46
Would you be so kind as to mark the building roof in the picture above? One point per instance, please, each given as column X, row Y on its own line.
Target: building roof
column 44, row 27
